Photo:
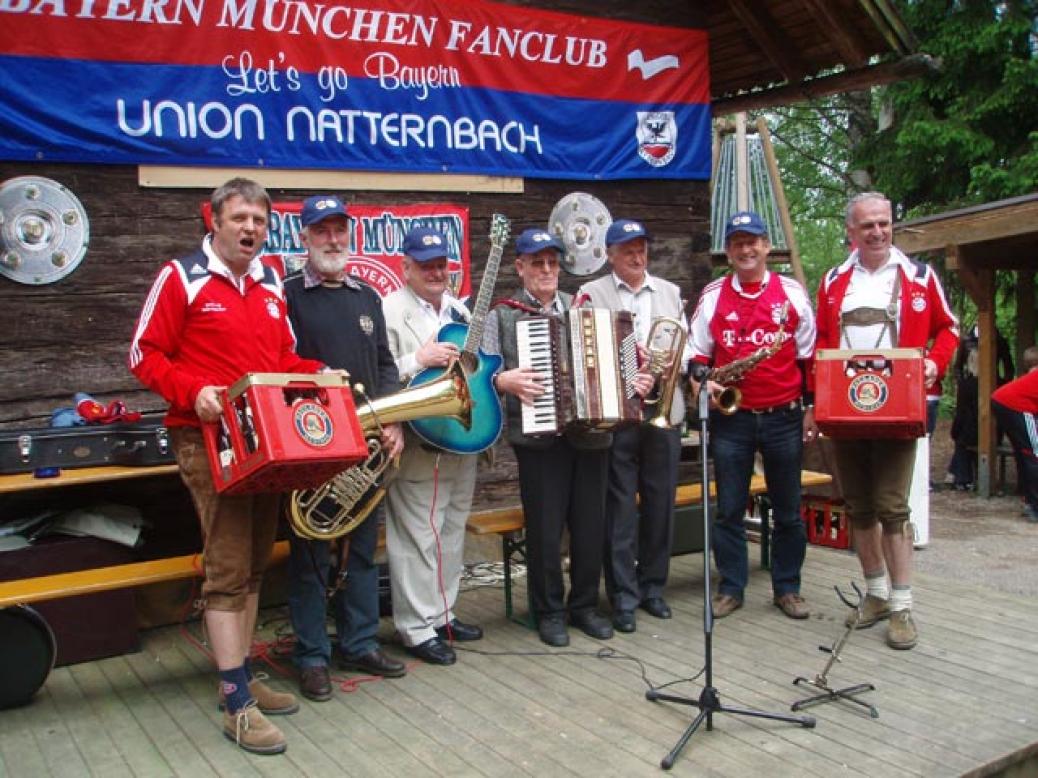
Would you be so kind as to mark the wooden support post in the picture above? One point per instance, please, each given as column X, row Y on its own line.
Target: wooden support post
column 742, row 165
column 781, row 203
column 986, row 383
column 1025, row 316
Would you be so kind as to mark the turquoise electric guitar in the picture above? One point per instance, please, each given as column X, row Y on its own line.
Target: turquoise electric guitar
column 479, row 368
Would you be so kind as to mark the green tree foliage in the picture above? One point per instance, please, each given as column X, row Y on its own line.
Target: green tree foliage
column 968, row 134
column 965, row 135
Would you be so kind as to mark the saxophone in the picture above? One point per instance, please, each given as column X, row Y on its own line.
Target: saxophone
column 729, row 398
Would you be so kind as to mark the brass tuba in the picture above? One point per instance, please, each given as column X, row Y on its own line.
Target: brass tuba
column 665, row 366
column 729, row 398
column 338, row 506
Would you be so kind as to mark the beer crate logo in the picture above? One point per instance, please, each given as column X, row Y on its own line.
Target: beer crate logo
column 868, row 393
column 313, row 424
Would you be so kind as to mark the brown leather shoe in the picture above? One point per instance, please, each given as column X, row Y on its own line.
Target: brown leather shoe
column 792, row 605
column 872, row 610
column 374, row 663
column 270, row 702
column 250, row 729
column 901, row 631
column 725, row 604
column 315, row 683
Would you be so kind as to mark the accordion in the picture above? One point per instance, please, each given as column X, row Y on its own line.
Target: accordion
column 587, row 360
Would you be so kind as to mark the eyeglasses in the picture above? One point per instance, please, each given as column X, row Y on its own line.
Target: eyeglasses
column 540, row 263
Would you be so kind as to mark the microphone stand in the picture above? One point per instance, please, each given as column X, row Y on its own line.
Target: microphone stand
column 709, row 701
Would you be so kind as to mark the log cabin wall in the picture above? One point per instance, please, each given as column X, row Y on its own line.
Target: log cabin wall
column 73, row 335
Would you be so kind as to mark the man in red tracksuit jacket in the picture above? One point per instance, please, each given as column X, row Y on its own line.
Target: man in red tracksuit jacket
column 211, row 317
column 879, row 298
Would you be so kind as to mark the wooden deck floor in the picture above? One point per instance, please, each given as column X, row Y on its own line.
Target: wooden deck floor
column 964, row 699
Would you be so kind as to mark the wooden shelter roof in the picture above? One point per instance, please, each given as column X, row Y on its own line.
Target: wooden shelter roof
column 1001, row 235
column 976, row 242
column 779, row 51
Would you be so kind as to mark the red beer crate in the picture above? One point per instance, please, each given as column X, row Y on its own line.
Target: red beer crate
column 826, row 522
column 870, row 394
column 284, row 431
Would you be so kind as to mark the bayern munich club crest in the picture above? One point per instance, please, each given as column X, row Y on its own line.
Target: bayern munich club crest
column 868, row 393
column 657, row 134
column 313, row 424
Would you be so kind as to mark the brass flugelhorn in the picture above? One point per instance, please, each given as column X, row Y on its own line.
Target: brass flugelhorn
column 730, row 397
column 665, row 366
column 338, row 506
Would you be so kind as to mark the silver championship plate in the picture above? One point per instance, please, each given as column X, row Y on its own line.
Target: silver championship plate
column 44, row 230
column 580, row 221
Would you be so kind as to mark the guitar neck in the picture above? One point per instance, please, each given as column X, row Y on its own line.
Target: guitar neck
column 486, row 290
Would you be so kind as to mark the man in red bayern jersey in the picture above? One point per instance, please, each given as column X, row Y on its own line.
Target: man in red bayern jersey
column 211, row 317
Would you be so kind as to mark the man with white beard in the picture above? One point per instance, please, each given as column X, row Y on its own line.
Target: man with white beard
column 340, row 318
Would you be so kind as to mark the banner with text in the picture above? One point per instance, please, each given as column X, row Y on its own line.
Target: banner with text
column 422, row 86
column 376, row 241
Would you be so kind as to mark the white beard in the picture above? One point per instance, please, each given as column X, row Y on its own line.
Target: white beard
column 327, row 266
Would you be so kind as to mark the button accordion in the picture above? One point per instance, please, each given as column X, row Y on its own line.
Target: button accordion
column 587, row 359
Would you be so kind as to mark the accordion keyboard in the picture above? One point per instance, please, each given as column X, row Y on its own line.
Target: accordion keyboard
column 534, row 342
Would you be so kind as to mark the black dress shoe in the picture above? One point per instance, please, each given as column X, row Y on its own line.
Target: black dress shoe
column 460, row 632
column 592, row 624
column 373, row 663
column 315, row 683
column 552, row 630
column 434, row 651
column 656, row 606
column 624, row 621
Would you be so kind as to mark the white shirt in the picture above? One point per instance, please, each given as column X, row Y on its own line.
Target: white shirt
column 638, row 303
column 869, row 290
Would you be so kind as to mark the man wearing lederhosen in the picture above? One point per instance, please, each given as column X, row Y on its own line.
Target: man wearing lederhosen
column 879, row 298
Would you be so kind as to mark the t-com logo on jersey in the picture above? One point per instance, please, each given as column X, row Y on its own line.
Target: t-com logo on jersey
column 657, row 134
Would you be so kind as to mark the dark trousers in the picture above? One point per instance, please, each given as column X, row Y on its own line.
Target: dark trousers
column 355, row 606
column 562, row 486
column 1022, row 430
column 733, row 441
column 642, row 461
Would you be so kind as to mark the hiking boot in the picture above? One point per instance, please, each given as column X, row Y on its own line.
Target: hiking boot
column 872, row 610
column 250, row 730
column 271, row 702
column 724, row 604
column 901, row 631
column 792, row 604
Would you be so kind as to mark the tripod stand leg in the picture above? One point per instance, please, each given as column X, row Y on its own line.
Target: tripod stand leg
column 668, row 761
column 808, row 722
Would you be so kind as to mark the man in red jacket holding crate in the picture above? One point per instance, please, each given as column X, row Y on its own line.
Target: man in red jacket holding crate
column 209, row 318
column 878, row 299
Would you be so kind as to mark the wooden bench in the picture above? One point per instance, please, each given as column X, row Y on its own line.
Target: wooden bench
column 510, row 524
column 99, row 579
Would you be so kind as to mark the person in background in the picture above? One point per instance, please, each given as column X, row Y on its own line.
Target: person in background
column 879, row 298
column 965, row 428
column 749, row 309
column 338, row 320
column 1016, row 408
column 210, row 318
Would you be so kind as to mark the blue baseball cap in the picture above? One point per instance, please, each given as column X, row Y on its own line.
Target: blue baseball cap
column 319, row 208
column 535, row 239
column 423, row 244
column 744, row 221
column 623, row 230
